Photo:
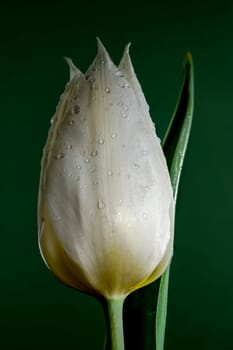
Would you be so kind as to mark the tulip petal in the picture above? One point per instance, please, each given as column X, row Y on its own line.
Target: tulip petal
column 74, row 71
column 127, row 69
column 105, row 189
column 58, row 261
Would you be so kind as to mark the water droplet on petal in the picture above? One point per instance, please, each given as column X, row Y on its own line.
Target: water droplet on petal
column 59, row 156
column 125, row 85
column 125, row 108
column 52, row 120
column 144, row 152
column 102, row 61
column 75, row 109
column 110, row 173
column 69, row 147
column 79, row 166
column 135, row 165
column 86, row 160
column 71, row 122
column 107, row 90
column 94, row 153
column 101, row 141
column 113, row 136
column 124, row 115
column 101, row 204
column 119, row 73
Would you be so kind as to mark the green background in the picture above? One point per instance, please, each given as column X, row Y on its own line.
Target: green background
column 37, row 312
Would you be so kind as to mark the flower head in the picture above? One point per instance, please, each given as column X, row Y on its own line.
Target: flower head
column 106, row 209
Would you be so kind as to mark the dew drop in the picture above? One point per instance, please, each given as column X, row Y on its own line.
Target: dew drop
column 119, row 73
column 107, row 90
column 71, row 122
column 120, row 104
column 110, row 173
column 100, row 204
column 144, row 152
column 59, row 156
column 86, row 160
column 102, row 61
column 79, row 167
column 135, row 165
column 94, row 153
column 52, row 120
column 125, row 108
column 113, row 136
column 124, row 115
column 101, row 141
column 125, row 85
column 75, row 109
column 69, row 147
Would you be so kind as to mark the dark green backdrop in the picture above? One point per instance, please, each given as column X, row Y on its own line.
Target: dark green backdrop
column 36, row 312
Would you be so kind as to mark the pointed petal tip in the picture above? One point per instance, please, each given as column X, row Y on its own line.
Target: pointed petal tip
column 68, row 61
column 101, row 49
column 74, row 71
column 103, row 55
column 125, row 62
column 127, row 48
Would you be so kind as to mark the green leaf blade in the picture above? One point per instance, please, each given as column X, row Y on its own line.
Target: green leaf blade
column 177, row 135
column 174, row 145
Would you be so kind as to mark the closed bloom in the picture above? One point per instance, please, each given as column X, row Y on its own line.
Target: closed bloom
column 106, row 209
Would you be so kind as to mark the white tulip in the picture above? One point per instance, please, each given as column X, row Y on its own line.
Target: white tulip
column 106, row 208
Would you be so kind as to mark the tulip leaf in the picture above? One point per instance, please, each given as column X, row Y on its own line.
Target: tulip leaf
column 148, row 306
column 176, row 138
column 174, row 145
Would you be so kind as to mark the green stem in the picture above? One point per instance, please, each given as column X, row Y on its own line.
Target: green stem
column 113, row 311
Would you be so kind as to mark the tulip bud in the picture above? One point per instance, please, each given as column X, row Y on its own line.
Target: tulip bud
column 106, row 208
